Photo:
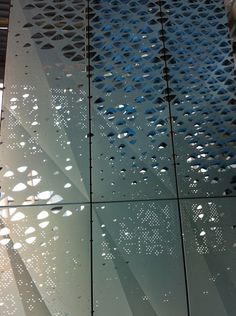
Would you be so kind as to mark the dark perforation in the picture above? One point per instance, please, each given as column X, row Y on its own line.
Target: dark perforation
column 28, row 25
column 78, row 58
column 48, row 8
column 29, row 7
column 68, row 47
column 50, row 33
column 48, row 26
column 57, row 37
column 47, row 46
column 50, row 14
column 40, row 5
column 38, row 17
column 37, row 36
column 58, row 18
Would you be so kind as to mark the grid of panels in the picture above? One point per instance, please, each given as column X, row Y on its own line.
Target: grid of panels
column 96, row 113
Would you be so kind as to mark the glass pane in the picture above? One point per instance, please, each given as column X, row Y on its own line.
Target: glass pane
column 209, row 230
column 132, row 153
column 138, row 268
column 45, row 263
column 44, row 145
column 201, row 72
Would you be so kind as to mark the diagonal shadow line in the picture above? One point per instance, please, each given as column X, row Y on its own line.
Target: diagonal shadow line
column 56, row 59
column 54, row 162
column 49, row 156
column 224, row 286
column 103, row 122
column 133, row 291
column 161, row 183
column 29, row 294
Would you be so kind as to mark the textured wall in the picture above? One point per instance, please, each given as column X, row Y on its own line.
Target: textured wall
column 117, row 160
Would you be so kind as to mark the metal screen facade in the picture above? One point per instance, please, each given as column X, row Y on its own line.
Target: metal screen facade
column 117, row 157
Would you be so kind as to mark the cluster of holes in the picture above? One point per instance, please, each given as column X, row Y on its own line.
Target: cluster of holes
column 137, row 69
column 58, row 24
column 33, row 179
column 128, row 69
column 209, row 231
column 148, row 229
column 8, row 306
column 24, row 133
column 207, row 223
column 201, row 76
column 129, row 231
column 35, row 243
column 21, row 101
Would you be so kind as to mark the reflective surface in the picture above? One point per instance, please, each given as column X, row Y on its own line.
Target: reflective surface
column 45, row 263
column 132, row 153
column 138, row 259
column 117, row 159
column 209, row 230
column 45, row 111
column 203, row 90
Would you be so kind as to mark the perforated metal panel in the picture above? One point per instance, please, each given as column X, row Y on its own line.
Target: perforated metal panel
column 138, row 259
column 130, row 119
column 45, row 264
column 203, row 96
column 209, row 230
column 117, row 159
column 44, row 154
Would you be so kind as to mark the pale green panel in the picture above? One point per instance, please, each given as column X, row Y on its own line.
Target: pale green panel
column 43, row 134
column 209, row 230
column 138, row 267
column 45, row 261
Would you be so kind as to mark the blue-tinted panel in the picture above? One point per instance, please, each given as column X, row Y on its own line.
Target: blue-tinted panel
column 203, row 96
column 132, row 153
